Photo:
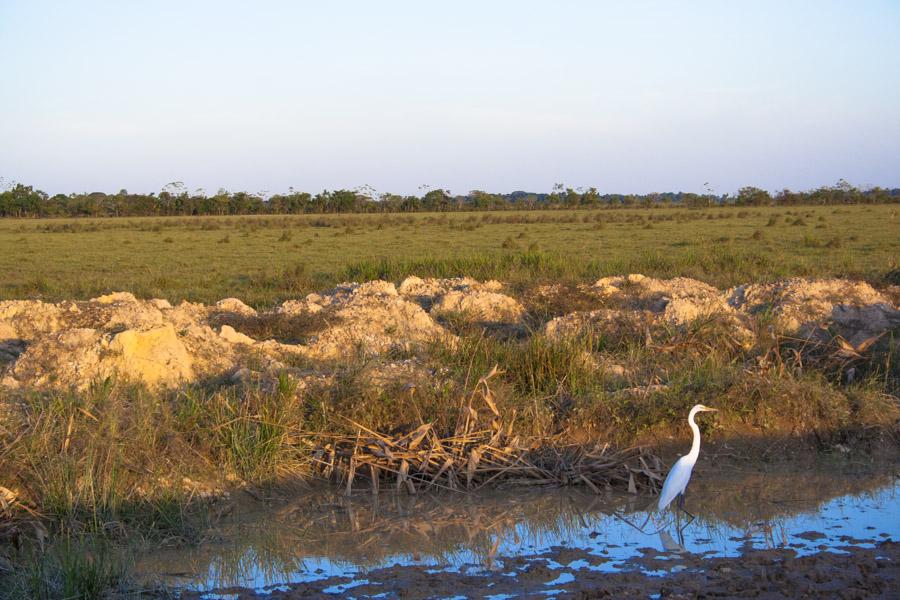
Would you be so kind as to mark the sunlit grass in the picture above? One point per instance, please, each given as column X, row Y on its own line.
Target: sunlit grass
column 268, row 259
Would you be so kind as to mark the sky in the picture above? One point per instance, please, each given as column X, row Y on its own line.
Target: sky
column 630, row 97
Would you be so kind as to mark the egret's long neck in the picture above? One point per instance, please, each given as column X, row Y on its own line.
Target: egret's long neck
column 695, row 446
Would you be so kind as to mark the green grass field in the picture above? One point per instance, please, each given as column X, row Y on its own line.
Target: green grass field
column 264, row 260
column 96, row 463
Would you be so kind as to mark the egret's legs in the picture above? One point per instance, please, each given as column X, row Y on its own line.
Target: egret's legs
column 639, row 527
column 684, row 510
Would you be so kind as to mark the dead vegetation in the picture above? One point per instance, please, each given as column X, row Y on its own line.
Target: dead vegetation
column 482, row 449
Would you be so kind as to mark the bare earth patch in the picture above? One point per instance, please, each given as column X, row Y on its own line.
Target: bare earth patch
column 69, row 345
column 780, row 573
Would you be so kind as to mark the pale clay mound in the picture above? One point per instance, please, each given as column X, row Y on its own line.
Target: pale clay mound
column 851, row 309
column 680, row 300
column 636, row 300
column 854, row 309
column 474, row 300
column 69, row 345
column 368, row 318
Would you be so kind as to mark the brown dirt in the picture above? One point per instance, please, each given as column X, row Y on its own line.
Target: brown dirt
column 71, row 344
column 806, row 308
column 473, row 300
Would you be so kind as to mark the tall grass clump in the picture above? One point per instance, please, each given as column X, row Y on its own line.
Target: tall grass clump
column 533, row 366
column 78, row 452
column 250, row 430
column 69, row 567
column 116, row 456
column 722, row 266
column 509, row 266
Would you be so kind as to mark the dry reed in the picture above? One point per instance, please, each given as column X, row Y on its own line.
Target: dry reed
column 479, row 451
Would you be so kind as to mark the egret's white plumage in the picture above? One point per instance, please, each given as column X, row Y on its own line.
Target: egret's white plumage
column 678, row 478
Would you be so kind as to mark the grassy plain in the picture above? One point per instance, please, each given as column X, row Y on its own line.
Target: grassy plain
column 263, row 260
column 101, row 469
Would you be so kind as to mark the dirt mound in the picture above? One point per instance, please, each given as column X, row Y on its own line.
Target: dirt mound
column 426, row 291
column 481, row 306
column 71, row 344
column 603, row 320
column 824, row 308
column 796, row 303
column 679, row 300
column 28, row 318
column 473, row 300
column 367, row 318
column 233, row 305
column 152, row 356
column 75, row 358
column 635, row 302
column 339, row 297
column 32, row 318
column 228, row 333
column 120, row 310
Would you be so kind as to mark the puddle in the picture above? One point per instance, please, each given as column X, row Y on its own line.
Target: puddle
column 546, row 535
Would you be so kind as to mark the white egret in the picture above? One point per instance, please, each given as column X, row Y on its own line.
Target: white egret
column 678, row 478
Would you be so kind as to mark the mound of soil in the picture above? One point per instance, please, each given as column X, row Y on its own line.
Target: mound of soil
column 635, row 302
column 680, row 300
column 69, row 344
column 368, row 318
column 852, row 309
column 799, row 307
column 471, row 299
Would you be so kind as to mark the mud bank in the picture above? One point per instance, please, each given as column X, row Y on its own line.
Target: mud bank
column 795, row 530
column 856, row 573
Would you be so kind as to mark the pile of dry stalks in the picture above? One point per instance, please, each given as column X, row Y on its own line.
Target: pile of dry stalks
column 481, row 450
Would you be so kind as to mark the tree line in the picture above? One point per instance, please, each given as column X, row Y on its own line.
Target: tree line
column 22, row 201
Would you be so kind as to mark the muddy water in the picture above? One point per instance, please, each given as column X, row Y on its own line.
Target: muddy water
column 322, row 543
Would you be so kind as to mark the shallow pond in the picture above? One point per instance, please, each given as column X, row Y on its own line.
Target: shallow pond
column 334, row 542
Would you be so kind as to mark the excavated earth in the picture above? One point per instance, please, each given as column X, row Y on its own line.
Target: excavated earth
column 71, row 344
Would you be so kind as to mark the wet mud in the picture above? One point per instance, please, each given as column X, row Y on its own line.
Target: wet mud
column 779, row 573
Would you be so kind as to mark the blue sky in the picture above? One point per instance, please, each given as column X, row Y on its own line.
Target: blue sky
column 497, row 95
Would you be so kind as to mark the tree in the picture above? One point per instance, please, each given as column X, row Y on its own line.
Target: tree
column 437, row 199
column 753, row 196
column 22, row 201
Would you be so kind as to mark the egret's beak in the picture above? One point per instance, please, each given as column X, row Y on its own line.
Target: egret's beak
column 708, row 409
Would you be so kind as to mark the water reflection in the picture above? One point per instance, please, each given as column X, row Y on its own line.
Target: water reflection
column 321, row 534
